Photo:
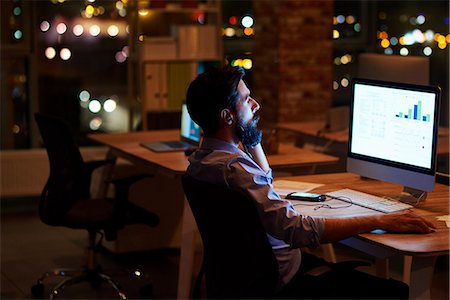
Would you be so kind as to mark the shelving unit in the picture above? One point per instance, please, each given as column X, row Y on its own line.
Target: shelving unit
column 172, row 44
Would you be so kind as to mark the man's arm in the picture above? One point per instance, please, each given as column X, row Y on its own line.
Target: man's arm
column 337, row 229
column 259, row 157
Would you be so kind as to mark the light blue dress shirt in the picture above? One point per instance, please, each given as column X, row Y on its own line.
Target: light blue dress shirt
column 224, row 164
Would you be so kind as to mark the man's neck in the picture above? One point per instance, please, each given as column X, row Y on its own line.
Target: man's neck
column 225, row 136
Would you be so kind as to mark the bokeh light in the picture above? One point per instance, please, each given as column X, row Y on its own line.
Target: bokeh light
column 95, row 123
column 50, row 52
column 18, row 34
column 84, row 96
column 113, row 30
column 65, row 54
column 61, row 28
column 247, row 21
column 109, row 105
column 95, row 106
column 78, row 30
column 44, row 26
column 94, row 30
column 427, row 51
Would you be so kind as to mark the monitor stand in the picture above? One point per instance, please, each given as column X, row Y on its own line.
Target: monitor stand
column 411, row 196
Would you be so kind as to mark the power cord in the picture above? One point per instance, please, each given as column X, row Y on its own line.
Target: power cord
column 348, row 203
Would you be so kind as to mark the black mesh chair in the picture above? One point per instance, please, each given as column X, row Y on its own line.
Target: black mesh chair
column 238, row 261
column 66, row 201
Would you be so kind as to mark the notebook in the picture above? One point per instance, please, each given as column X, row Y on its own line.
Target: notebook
column 189, row 136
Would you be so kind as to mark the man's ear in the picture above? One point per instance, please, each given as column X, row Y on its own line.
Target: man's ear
column 227, row 116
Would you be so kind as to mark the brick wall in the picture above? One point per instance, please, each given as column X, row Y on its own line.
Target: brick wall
column 292, row 69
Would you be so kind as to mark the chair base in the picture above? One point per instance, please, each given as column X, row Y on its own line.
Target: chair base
column 73, row 276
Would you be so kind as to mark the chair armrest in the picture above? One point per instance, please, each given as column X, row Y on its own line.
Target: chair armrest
column 94, row 164
column 122, row 185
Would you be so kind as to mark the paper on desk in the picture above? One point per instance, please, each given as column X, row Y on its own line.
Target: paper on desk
column 284, row 187
column 445, row 218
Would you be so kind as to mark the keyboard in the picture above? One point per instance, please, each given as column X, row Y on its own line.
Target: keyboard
column 369, row 201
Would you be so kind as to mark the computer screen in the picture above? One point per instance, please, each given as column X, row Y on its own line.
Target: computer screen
column 393, row 132
column 189, row 129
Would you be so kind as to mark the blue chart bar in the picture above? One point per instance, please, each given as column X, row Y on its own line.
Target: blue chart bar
column 415, row 113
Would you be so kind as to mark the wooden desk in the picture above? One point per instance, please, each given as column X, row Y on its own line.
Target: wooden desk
column 315, row 132
column 174, row 164
column 423, row 248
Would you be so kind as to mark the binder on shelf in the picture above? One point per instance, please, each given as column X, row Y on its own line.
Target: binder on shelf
column 180, row 74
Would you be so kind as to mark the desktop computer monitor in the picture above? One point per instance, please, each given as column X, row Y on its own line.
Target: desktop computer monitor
column 395, row 68
column 393, row 133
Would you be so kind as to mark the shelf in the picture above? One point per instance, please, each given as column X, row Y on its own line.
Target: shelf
column 150, row 61
column 183, row 10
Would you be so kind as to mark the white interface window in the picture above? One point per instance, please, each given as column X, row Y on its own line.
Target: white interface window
column 189, row 128
column 393, row 124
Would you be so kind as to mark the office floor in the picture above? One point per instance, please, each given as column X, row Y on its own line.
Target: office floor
column 29, row 247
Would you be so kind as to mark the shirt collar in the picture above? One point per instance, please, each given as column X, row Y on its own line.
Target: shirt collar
column 216, row 144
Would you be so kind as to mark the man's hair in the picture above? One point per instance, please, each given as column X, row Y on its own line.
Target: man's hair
column 210, row 93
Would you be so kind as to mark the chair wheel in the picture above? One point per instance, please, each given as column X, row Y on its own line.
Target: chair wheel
column 37, row 290
column 146, row 291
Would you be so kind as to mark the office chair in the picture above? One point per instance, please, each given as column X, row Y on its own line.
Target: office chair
column 66, row 201
column 238, row 260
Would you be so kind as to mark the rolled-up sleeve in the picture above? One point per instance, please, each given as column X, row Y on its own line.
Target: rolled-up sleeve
column 278, row 216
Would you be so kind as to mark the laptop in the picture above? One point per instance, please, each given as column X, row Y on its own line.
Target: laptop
column 189, row 136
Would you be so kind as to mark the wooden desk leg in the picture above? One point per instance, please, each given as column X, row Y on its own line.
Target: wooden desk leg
column 407, row 260
column 422, row 269
column 186, row 253
column 382, row 267
column 328, row 252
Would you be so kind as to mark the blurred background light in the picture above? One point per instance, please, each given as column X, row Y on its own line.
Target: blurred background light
column 84, row 96
column 247, row 21
column 232, row 20
column 120, row 57
column 94, row 30
column 78, row 29
column 18, row 34
column 50, row 52
column 229, row 31
column 65, row 54
column 61, row 28
column 427, row 51
column 113, row 30
column 95, row 123
column 44, row 26
column 109, row 105
column 95, row 106
column 404, row 51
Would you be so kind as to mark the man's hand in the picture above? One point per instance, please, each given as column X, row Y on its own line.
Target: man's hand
column 337, row 229
column 405, row 221
column 259, row 157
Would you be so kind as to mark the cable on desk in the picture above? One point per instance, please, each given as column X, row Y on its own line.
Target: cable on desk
column 348, row 203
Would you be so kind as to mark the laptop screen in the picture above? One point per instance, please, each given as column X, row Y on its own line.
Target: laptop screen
column 189, row 129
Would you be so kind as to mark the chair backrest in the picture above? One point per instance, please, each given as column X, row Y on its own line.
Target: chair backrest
column 68, row 180
column 238, row 259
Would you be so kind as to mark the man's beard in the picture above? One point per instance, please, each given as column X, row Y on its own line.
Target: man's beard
column 249, row 134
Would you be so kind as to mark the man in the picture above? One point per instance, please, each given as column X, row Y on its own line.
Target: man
column 220, row 102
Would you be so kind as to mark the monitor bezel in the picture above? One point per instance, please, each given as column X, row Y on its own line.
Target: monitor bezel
column 413, row 87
